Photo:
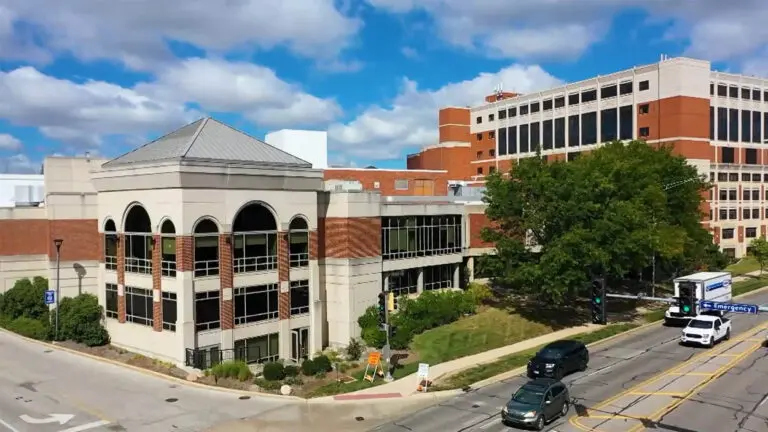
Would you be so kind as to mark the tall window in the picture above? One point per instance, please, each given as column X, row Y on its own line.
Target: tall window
column 206, row 248
column 733, row 125
column 757, row 126
column 299, row 297
column 138, row 241
column 712, row 122
column 110, row 306
column 560, row 132
column 438, row 277
column 512, row 140
column 589, row 128
column 255, row 234
column 168, row 249
column 746, row 126
column 402, row 283
column 524, row 138
column 256, row 303
column 413, row 236
column 110, row 245
column 535, row 136
column 298, row 243
column 574, row 132
column 626, row 122
column 138, row 306
column 260, row 349
column 207, row 309
column 170, row 311
column 609, row 127
column 548, row 140
column 722, row 124
column 501, row 142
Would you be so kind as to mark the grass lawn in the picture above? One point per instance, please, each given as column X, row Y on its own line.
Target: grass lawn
column 335, row 388
column 745, row 265
column 490, row 328
column 513, row 361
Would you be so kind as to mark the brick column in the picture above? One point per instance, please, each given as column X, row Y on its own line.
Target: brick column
column 284, row 276
column 121, row 278
column 157, row 305
column 102, row 243
column 184, row 253
column 312, row 245
column 226, row 276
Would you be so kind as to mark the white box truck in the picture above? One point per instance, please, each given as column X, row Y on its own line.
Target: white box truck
column 712, row 286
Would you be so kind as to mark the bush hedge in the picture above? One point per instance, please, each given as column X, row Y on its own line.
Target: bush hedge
column 308, row 367
column 415, row 316
column 273, row 371
column 238, row 370
column 80, row 320
column 322, row 364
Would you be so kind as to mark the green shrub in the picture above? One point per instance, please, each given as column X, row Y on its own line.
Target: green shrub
column 267, row 385
column 273, row 371
column 26, row 299
column 294, row 381
column 369, row 328
column 80, row 320
column 308, row 367
column 354, row 349
column 479, row 292
column 29, row 327
column 232, row 369
column 322, row 364
column 291, row 371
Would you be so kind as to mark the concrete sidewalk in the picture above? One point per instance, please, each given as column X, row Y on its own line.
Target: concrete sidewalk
column 407, row 385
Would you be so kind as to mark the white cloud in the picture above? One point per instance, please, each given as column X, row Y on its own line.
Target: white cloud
column 254, row 91
column 136, row 31
column 410, row 122
column 9, row 142
column 19, row 164
column 409, row 52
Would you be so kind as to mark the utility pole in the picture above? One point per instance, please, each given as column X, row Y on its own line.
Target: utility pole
column 58, row 243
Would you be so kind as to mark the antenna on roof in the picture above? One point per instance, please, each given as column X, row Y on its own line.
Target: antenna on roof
column 499, row 91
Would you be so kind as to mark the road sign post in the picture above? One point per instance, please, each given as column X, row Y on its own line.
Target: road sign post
column 50, row 297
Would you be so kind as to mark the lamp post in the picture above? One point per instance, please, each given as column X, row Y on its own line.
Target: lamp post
column 58, row 243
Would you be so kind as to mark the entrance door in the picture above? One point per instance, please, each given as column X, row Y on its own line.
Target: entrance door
column 300, row 344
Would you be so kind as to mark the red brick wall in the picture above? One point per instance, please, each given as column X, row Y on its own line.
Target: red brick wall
column 157, row 309
column 120, row 276
column 386, row 179
column 349, row 237
column 313, row 245
column 35, row 237
column 226, row 281
column 283, row 264
column 24, row 237
column 284, row 305
column 185, row 253
column 476, row 224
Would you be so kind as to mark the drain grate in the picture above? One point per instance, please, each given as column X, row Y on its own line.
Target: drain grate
column 358, row 418
column 171, row 400
column 244, row 397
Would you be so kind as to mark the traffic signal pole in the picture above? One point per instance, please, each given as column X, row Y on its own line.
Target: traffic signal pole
column 385, row 326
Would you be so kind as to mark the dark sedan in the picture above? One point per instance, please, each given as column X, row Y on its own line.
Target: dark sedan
column 558, row 359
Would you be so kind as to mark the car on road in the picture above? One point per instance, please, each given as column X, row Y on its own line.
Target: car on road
column 537, row 403
column 558, row 359
column 706, row 330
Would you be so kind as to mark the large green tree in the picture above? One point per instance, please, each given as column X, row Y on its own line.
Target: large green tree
column 604, row 214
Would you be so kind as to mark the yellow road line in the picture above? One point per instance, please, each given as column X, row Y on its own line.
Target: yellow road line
column 673, row 394
column 691, row 374
column 725, row 355
column 574, row 420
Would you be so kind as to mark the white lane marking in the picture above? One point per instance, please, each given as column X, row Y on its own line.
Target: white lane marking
column 597, row 371
column 765, row 399
column 8, row 426
column 493, row 423
column 474, row 420
column 86, row 426
column 53, row 418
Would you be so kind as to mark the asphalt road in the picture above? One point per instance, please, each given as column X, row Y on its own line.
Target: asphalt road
column 624, row 364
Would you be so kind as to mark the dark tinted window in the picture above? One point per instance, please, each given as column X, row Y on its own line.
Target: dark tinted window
column 751, row 156
column 757, row 126
column 560, row 132
column 547, row 104
column 711, row 88
column 722, row 90
column 609, row 127
column 711, row 122
column 548, row 135
column 512, row 112
column 625, row 88
column 501, row 141
column 609, row 91
column 765, row 127
column 644, row 85
column 535, row 136
column 535, row 107
column 502, row 114
column 512, row 140
column 746, row 93
column 573, row 99
column 589, row 96
column 524, row 138
column 733, row 124
column 746, row 126
column 550, row 353
column 722, row 124
column 733, row 92
column 524, row 110
column 528, row 396
column 573, row 131
column 560, row 102
column 589, row 128
column 727, row 155
column 626, row 122
column 755, row 95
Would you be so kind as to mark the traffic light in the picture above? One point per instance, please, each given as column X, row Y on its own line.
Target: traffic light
column 391, row 302
column 382, row 308
column 686, row 302
column 598, row 301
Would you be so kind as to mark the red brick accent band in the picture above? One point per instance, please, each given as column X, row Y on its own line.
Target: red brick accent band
column 284, row 305
column 349, row 237
column 102, row 246
column 313, row 245
column 185, row 253
column 121, row 277
column 226, row 280
column 157, row 309
column 283, row 251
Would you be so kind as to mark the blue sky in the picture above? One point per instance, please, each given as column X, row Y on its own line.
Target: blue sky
column 104, row 77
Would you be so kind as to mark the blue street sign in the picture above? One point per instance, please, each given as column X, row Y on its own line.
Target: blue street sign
column 729, row 307
column 50, row 297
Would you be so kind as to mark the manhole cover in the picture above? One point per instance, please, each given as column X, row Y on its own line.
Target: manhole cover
column 48, row 351
column 359, row 418
column 475, row 406
column 244, row 397
column 171, row 400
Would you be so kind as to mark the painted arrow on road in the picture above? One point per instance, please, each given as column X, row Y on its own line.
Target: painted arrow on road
column 53, row 418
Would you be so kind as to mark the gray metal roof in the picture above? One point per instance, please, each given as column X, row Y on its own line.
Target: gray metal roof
column 210, row 140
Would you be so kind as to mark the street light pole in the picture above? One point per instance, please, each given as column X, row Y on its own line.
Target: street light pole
column 58, row 243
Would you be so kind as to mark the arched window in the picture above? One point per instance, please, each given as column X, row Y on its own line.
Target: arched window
column 168, row 249
column 206, row 248
column 298, row 233
column 254, row 232
column 110, row 245
column 138, row 241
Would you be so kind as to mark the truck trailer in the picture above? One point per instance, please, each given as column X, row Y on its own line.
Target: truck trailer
column 712, row 286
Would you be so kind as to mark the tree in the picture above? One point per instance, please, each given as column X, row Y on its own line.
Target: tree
column 26, row 299
column 604, row 214
column 759, row 247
